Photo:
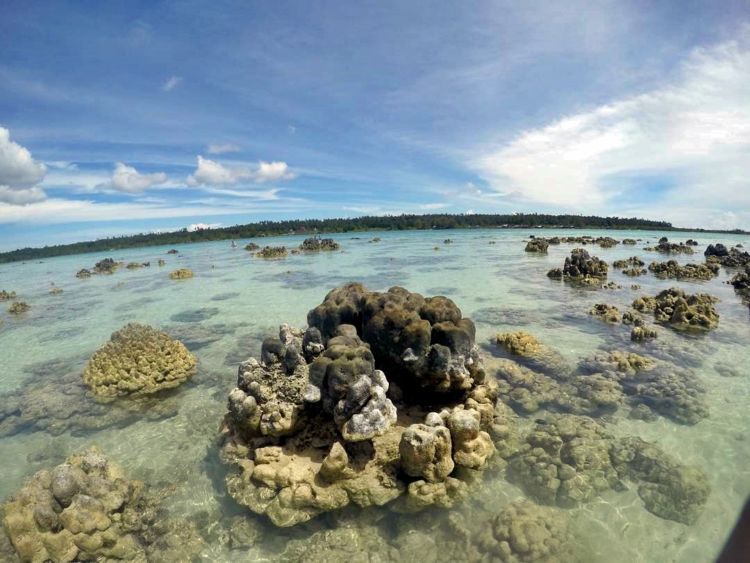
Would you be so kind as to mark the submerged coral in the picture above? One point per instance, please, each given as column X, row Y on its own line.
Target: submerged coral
column 86, row 509
column 632, row 261
column 532, row 352
column 181, row 274
column 18, row 307
column 106, row 266
column 525, row 532
column 607, row 313
column 251, row 247
column 681, row 311
column 7, row 295
column 83, row 273
column 568, row 460
column 692, row 271
column 581, row 267
column 381, row 399
column 138, row 360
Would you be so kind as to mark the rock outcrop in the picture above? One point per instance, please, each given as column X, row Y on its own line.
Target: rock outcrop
column 730, row 257
column 537, row 245
column 681, row 311
column 581, row 267
column 692, row 271
column 181, row 274
column 317, row 244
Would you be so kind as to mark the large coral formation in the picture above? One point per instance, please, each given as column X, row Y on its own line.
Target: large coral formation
column 138, row 360
column 533, row 353
column 537, row 245
column 581, row 267
column 316, row 244
column 87, row 510
column 381, row 400
column 692, row 271
column 568, row 460
column 525, row 532
column 681, row 311
column 181, row 274
column 607, row 313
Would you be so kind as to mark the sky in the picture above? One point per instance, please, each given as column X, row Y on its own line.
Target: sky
column 124, row 117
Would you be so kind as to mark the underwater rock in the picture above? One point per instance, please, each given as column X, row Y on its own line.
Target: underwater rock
column 681, row 311
column 632, row 261
column 138, row 360
column 173, row 251
column 18, row 307
column 581, row 267
column 7, row 295
column 251, row 247
column 270, row 252
column 606, row 242
column 312, row 427
column 668, row 489
column 316, row 244
column 525, row 532
column 181, row 274
column 666, row 247
column 607, row 313
column 741, row 281
column 340, row 545
column 537, row 245
column 692, row 271
column 86, row 509
column 629, row 241
column 106, row 266
column 642, row 333
column 54, row 290
column 83, row 273
column 162, row 262
column 533, row 353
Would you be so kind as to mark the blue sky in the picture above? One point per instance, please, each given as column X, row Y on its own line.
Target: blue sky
column 139, row 116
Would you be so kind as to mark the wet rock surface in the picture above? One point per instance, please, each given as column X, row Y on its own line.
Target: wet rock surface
column 581, row 267
column 681, row 311
column 672, row 269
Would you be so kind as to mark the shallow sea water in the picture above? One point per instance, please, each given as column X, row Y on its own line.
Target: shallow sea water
column 235, row 300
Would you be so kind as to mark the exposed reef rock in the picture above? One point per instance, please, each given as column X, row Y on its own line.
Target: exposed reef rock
column 7, row 295
column 181, row 274
column 83, row 273
column 18, row 307
column 729, row 257
column 86, row 510
column 173, row 251
column 270, row 252
column 672, row 269
column 316, row 244
column 666, row 247
column 251, row 247
column 632, row 261
column 580, row 267
column 537, row 245
column 382, row 400
column 106, row 266
column 138, row 360
column 680, row 311
column 569, row 460
column 629, row 241
column 643, row 333
column 741, row 283
column 54, row 290
column 525, row 532
column 607, row 313
column 606, row 242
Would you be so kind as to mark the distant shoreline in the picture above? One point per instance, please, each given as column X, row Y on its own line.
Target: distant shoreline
column 358, row 224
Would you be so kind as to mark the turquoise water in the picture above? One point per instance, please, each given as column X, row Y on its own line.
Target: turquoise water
column 235, row 300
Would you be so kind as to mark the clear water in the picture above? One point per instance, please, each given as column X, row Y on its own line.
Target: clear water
column 238, row 299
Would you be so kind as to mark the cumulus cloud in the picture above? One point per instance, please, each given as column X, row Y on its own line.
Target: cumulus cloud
column 171, row 83
column 128, row 180
column 212, row 173
column 202, row 227
column 221, row 148
column 19, row 173
column 690, row 136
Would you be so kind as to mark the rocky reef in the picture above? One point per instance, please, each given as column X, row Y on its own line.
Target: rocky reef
column 693, row 271
column 537, row 245
column 7, row 295
column 317, row 244
column 567, row 460
column 531, row 352
column 86, row 509
column 681, row 311
column 729, row 257
column 666, row 247
column 83, row 273
column 382, row 400
column 582, row 268
column 251, row 247
column 633, row 261
column 181, row 274
column 607, row 313
column 138, row 360
column 271, row 252
column 106, row 266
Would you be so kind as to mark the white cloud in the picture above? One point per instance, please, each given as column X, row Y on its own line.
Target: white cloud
column 273, row 171
column 221, row 148
column 202, row 226
column 127, row 179
column 19, row 173
column 211, row 173
column 693, row 131
column 171, row 83
column 433, row 206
